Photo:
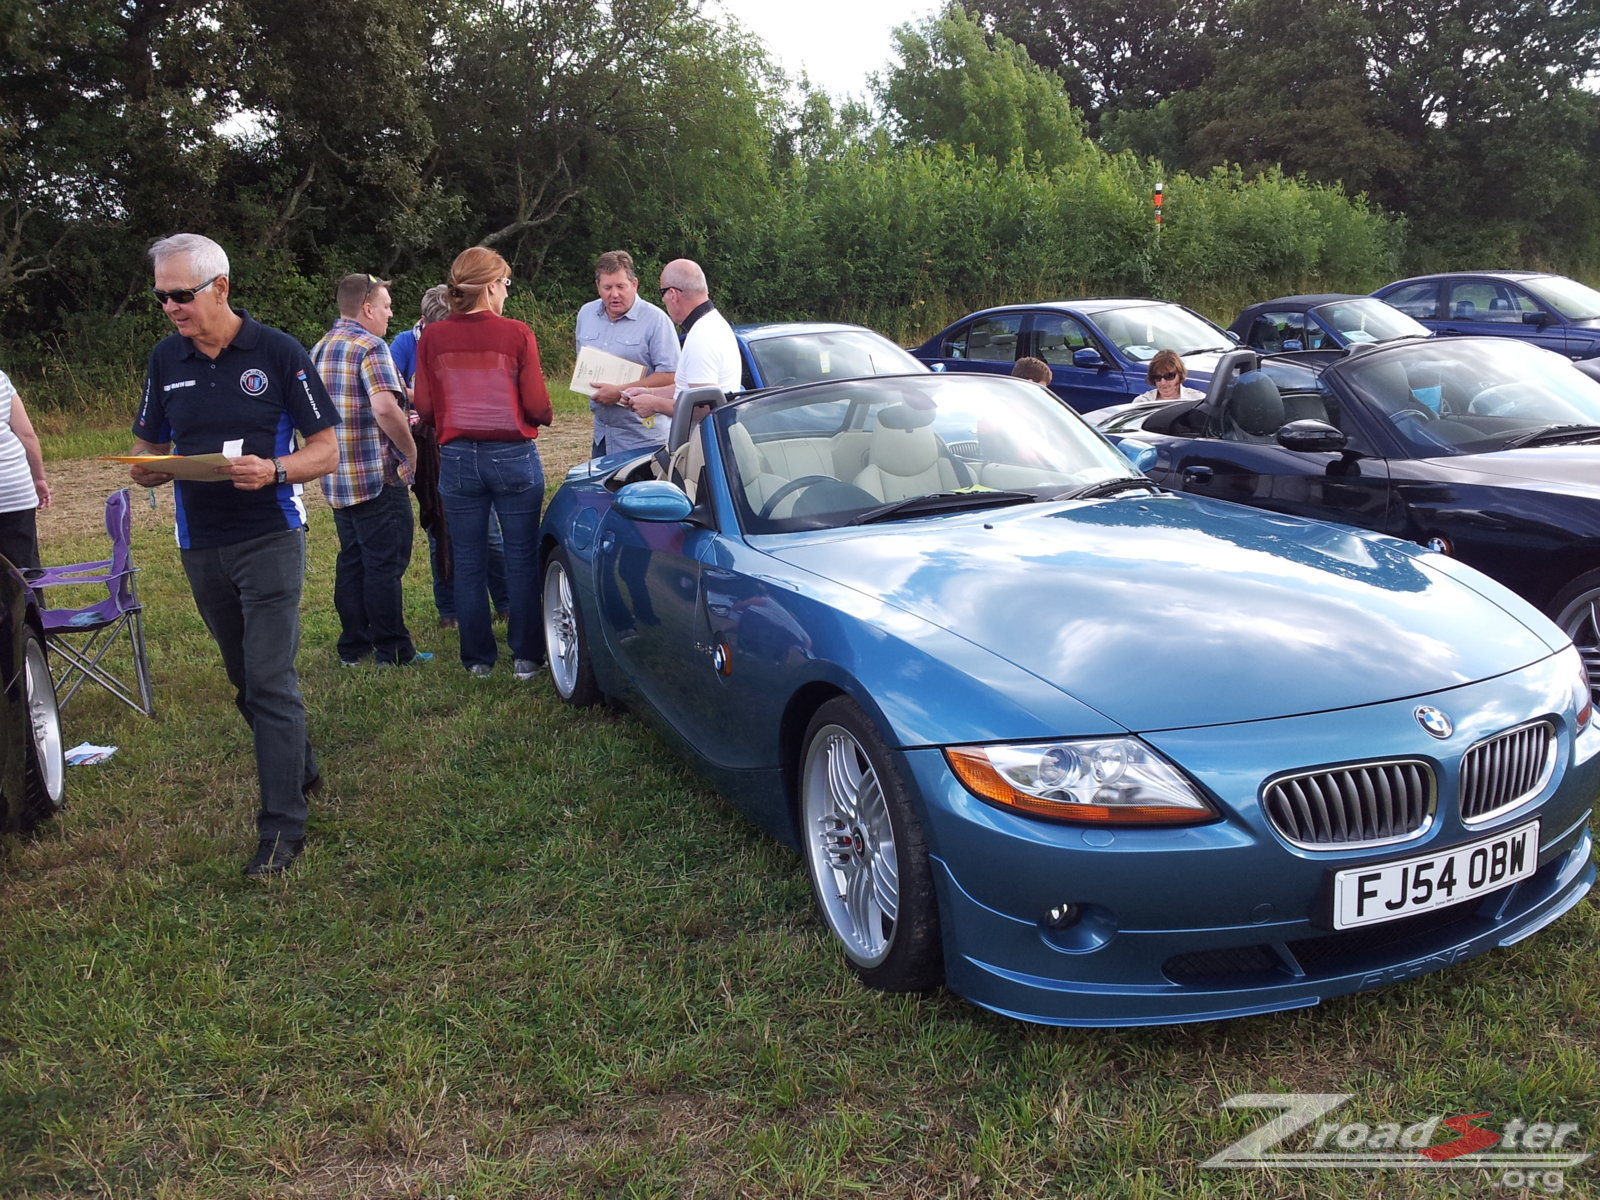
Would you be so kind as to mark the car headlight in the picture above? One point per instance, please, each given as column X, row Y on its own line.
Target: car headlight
column 1103, row 781
column 1583, row 694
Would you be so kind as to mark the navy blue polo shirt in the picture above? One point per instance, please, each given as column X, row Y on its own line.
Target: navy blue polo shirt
column 260, row 390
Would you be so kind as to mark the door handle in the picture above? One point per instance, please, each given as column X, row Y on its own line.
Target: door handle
column 1197, row 475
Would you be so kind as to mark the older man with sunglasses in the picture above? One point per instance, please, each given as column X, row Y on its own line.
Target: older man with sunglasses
column 225, row 384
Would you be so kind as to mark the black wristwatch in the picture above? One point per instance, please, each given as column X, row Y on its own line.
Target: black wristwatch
column 279, row 474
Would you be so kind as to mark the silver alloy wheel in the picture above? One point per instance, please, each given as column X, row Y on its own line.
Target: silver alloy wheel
column 562, row 640
column 1579, row 619
column 850, row 841
column 44, row 720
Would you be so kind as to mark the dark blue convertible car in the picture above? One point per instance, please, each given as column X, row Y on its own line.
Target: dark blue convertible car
column 1088, row 751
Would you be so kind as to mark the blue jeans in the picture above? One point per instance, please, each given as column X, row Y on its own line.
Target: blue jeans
column 444, row 590
column 374, row 552
column 248, row 595
column 506, row 479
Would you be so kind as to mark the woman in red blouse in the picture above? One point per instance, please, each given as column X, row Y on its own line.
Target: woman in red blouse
column 479, row 384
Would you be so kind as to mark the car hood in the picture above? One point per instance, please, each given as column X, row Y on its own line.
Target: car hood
column 1573, row 470
column 1175, row 611
column 1203, row 365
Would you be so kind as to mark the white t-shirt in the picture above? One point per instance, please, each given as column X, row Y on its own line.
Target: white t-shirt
column 710, row 356
column 16, row 479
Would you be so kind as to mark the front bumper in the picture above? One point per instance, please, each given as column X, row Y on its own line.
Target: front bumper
column 1223, row 920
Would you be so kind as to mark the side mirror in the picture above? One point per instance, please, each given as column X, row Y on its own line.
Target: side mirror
column 1538, row 318
column 1089, row 358
column 1141, row 454
column 1310, row 437
column 937, row 368
column 653, row 500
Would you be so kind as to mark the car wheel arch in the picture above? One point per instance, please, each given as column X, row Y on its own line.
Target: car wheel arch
column 797, row 714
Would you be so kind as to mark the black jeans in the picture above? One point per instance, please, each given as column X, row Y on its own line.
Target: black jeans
column 374, row 552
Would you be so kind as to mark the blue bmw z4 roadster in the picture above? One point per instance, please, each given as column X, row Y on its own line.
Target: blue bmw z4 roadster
column 1087, row 751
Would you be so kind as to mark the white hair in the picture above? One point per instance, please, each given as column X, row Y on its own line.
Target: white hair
column 206, row 257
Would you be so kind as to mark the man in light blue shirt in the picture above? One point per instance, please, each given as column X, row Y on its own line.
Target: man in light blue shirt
column 622, row 324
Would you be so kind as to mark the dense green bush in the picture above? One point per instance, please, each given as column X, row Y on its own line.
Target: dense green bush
column 902, row 239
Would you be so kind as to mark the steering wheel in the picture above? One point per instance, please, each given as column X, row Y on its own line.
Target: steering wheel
column 786, row 490
column 1413, row 413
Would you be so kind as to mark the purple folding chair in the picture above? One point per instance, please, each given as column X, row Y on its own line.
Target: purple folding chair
column 81, row 637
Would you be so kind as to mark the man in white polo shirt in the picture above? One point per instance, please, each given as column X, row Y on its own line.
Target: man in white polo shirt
column 710, row 355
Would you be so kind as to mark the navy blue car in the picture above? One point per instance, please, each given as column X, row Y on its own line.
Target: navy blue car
column 1552, row 311
column 1098, row 350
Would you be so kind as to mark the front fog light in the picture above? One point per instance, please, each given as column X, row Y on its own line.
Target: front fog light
column 1100, row 781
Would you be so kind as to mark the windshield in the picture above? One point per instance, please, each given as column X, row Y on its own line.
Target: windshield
column 822, row 456
column 813, row 355
column 1141, row 331
column 1369, row 320
column 1471, row 395
column 1573, row 300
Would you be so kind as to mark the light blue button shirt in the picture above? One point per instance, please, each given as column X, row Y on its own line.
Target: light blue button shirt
column 645, row 335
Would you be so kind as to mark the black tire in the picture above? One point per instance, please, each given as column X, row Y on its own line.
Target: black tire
column 566, row 645
column 866, row 854
column 1576, row 608
column 46, row 775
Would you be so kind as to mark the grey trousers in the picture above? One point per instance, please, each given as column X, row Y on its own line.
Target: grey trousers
column 248, row 594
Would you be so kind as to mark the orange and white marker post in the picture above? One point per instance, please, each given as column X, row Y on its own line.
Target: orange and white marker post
column 1158, row 205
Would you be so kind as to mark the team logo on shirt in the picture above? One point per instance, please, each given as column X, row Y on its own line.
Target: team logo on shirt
column 253, row 381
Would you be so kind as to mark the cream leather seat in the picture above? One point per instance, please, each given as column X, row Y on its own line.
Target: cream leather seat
column 905, row 457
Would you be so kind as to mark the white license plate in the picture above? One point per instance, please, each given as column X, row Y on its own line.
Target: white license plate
column 1391, row 890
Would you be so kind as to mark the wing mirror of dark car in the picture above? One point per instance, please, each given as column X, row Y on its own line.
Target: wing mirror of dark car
column 1538, row 318
column 1141, row 454
column 653, row 500
column 1088, row 357
column 1309, row 437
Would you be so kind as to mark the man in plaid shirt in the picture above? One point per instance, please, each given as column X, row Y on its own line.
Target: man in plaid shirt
column 367, row 492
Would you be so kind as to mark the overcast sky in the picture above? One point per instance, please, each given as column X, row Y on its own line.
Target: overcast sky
column 837, row 42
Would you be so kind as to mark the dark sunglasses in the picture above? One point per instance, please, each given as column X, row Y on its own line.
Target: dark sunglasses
column 182, row 295
column 665, row 290
column 1163, row 377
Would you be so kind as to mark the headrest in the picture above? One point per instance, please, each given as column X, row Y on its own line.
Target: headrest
column 906, row 416
column 745, row 454
column 1257, row 406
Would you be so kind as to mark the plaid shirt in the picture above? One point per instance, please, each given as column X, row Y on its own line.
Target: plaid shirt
column 354, row 365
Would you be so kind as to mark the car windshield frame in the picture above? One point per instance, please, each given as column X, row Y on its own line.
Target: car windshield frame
column 775, row 358
column 817, row 456
column 1393, row 324
column 1454, row 396
column 1147, row 329
column 1566, row 297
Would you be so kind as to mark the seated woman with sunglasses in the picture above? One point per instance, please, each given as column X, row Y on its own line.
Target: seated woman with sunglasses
column 1167, row 374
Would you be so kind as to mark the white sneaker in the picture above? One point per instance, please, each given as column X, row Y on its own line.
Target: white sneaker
column 524, row 668
column 480, row 670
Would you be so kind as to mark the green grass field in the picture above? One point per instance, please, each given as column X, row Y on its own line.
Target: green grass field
column 527, row 954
